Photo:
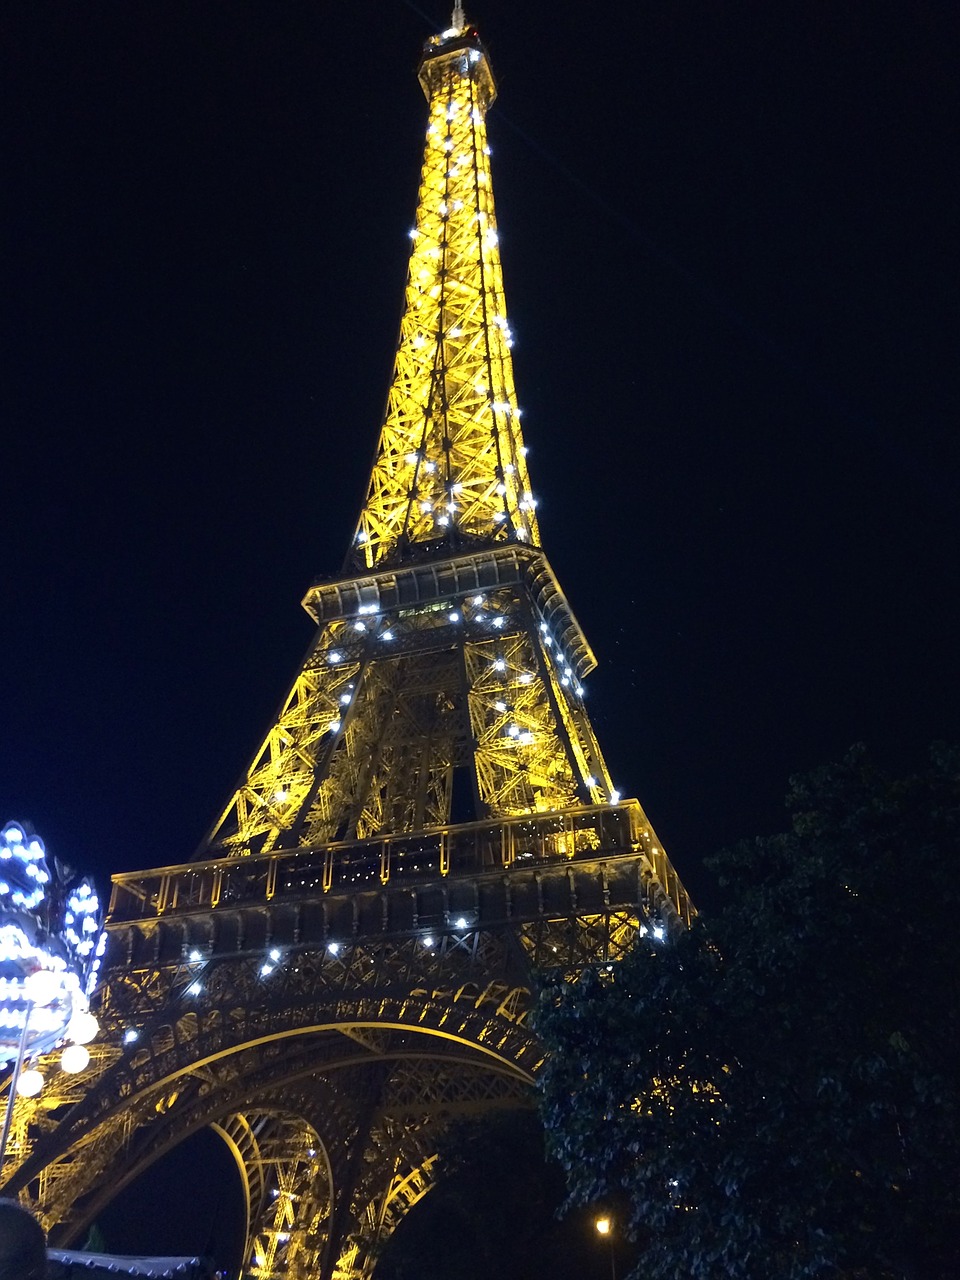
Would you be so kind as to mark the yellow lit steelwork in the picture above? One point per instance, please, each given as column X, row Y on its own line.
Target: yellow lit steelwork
column 346, row 965
column 417, row 699
column 451, row 466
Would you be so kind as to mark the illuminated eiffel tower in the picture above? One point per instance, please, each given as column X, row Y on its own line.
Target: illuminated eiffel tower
column 347, row 964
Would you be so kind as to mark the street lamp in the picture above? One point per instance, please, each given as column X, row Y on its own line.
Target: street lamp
column 51, row 944
column 604, row 1227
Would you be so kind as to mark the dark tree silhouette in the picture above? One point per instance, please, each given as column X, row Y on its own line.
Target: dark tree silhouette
column 778, row 1093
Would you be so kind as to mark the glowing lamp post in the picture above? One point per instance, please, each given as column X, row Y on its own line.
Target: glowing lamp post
column 50, row 949
column 604, row 1226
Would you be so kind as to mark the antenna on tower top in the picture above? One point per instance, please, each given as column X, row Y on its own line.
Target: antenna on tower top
column 458, row 20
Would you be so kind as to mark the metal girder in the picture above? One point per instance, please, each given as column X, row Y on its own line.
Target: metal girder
column 390, row 703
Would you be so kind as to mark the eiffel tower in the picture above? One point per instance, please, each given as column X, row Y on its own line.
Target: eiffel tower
column 347, row 964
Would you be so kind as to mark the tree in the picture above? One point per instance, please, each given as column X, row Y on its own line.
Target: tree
column 777, row 1093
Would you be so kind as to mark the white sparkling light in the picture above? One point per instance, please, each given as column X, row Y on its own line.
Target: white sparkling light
column 75, row 1057
column 82, row 1027
column 30, row 1083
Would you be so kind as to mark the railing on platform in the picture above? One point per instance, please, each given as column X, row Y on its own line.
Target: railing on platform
column 466, row 849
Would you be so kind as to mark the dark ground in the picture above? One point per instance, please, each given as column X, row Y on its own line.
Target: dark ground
column 729, row 245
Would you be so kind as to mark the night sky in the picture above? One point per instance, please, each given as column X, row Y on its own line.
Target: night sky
column 728, row 242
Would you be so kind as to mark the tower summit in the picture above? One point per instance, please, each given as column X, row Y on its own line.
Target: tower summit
column 450, row 470
column 346, row 965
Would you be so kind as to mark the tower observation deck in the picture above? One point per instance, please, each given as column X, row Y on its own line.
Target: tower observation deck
column 346, row 964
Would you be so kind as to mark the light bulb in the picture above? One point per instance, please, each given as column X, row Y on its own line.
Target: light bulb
column 74, row 1058
column 82, row 1028
column 42, row 986
column 30, row 1083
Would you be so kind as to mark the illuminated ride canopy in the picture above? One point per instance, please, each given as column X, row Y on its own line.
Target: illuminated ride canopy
column 51, row 945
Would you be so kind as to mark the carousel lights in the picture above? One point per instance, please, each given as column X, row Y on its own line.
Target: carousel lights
column 50, row 950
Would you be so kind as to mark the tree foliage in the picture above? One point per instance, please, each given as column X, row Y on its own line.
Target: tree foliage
column 778, row 1092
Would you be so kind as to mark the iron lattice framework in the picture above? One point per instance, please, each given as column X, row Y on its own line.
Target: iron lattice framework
column 346, row 965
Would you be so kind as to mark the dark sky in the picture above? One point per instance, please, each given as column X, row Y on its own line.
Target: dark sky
column 728, row 240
